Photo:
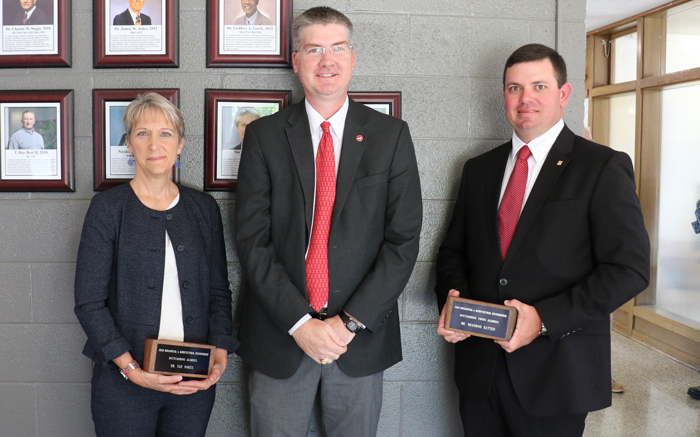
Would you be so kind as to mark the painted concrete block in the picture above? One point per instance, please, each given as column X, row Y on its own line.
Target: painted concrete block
column 52, row 293
column 18, row 409
column 53, row 419
column 381, row 43
column 15, row 293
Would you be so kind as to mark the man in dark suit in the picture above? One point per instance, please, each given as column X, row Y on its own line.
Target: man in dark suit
column 328, row 217
column 548, row 223
column 132, row 16
column 30, row 15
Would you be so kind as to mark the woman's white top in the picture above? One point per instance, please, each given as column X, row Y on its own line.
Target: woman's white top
column 171, row 326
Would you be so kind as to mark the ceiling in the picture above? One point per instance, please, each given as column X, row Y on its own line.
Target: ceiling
column 600, row 13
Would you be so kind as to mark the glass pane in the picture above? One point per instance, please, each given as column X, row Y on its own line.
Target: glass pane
column 678, row 278
column 625, row 58
column 683, row 40
column 622, row 117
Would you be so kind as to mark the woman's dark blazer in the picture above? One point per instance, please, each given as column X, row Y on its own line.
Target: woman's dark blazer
column 119, row 273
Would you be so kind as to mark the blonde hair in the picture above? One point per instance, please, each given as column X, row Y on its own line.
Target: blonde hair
column 153, row 102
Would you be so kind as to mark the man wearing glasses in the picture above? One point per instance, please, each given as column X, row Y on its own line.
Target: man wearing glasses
column 328, row 216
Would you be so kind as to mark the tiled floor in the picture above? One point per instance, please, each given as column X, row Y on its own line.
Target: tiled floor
column 654, row 403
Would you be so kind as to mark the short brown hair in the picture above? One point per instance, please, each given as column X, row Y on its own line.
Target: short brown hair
column 153, row 102
column 318, row 15
column 538, row 52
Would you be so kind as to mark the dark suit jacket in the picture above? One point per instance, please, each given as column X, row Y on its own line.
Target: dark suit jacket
column 373, row 240
column 580, row 250
column 124, row 19
column 119, row 273
column 39, row 16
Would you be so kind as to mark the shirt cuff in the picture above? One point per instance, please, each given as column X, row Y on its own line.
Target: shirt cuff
column 299, row 323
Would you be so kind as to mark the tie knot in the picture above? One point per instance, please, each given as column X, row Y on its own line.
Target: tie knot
column 325, row 126
column 524, row 153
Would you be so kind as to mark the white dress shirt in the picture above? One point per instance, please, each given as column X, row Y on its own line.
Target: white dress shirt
column 171, row 326
column 539, row 147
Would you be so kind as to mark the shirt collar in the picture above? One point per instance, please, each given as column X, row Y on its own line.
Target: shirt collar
column 253, row 18
column 133, row 14
column 337, row 120
column 541, row 145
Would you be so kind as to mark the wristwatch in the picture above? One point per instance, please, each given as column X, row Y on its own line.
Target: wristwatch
column 352, row 325
column 133, row 365
column 543, row 330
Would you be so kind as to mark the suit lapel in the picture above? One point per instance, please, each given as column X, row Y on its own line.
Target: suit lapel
column 553, row 166
column 350, row 156
column 299, row 137
column 494, row 180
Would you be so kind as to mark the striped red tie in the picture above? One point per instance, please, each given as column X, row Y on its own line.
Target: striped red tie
column 512, row 202
column 317, row 258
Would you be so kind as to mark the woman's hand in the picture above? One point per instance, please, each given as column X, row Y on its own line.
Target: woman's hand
column 153, row 381
column 220, row 360
column 164, row 383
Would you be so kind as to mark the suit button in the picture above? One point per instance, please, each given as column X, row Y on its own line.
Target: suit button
column 180, row 247
column 503, row 282
column 168, row 217
column 186, row 284
column 189, row 320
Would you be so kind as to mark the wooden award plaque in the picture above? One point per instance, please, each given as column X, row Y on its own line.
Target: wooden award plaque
column 481, row 319
column 166, row 357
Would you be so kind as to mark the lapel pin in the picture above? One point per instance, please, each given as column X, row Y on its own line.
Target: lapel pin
column 560, row 162
column 359, row 138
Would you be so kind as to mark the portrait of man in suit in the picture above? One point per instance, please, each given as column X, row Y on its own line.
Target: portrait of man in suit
column 132, row 16
column 328, row 218
column 548, row 223
column 251, row 16
column 30, row 14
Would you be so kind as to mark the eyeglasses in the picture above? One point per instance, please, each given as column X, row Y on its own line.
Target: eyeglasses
column 336, row 51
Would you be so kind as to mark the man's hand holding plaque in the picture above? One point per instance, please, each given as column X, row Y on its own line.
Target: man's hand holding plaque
column 481, row 319
column 449, row 334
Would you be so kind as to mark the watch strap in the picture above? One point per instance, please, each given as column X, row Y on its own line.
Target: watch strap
column 352, row 325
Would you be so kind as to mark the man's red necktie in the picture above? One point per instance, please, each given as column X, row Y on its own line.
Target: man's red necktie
column 317, row 258
column 512, row 202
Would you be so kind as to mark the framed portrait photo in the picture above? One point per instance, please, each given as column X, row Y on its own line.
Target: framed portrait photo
column 35, row 33
column 249, row 33
column 113, row 163
column 385, row 102
column 36, row 130
column 136, row 33
column 226, row 115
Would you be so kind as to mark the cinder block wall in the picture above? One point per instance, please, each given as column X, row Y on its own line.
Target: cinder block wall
column 445, row 57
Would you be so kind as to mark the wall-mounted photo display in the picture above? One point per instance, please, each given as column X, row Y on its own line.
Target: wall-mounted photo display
column 227, row 113
column 136, row 33
column 35, row 33
column 385, row 102
column 113, row 163
column 36, row 131
column 249, row 33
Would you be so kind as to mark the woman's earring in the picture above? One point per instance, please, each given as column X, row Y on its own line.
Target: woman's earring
column 178, row 163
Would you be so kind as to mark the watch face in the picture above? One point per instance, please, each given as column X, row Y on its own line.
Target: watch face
column 352, row 326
